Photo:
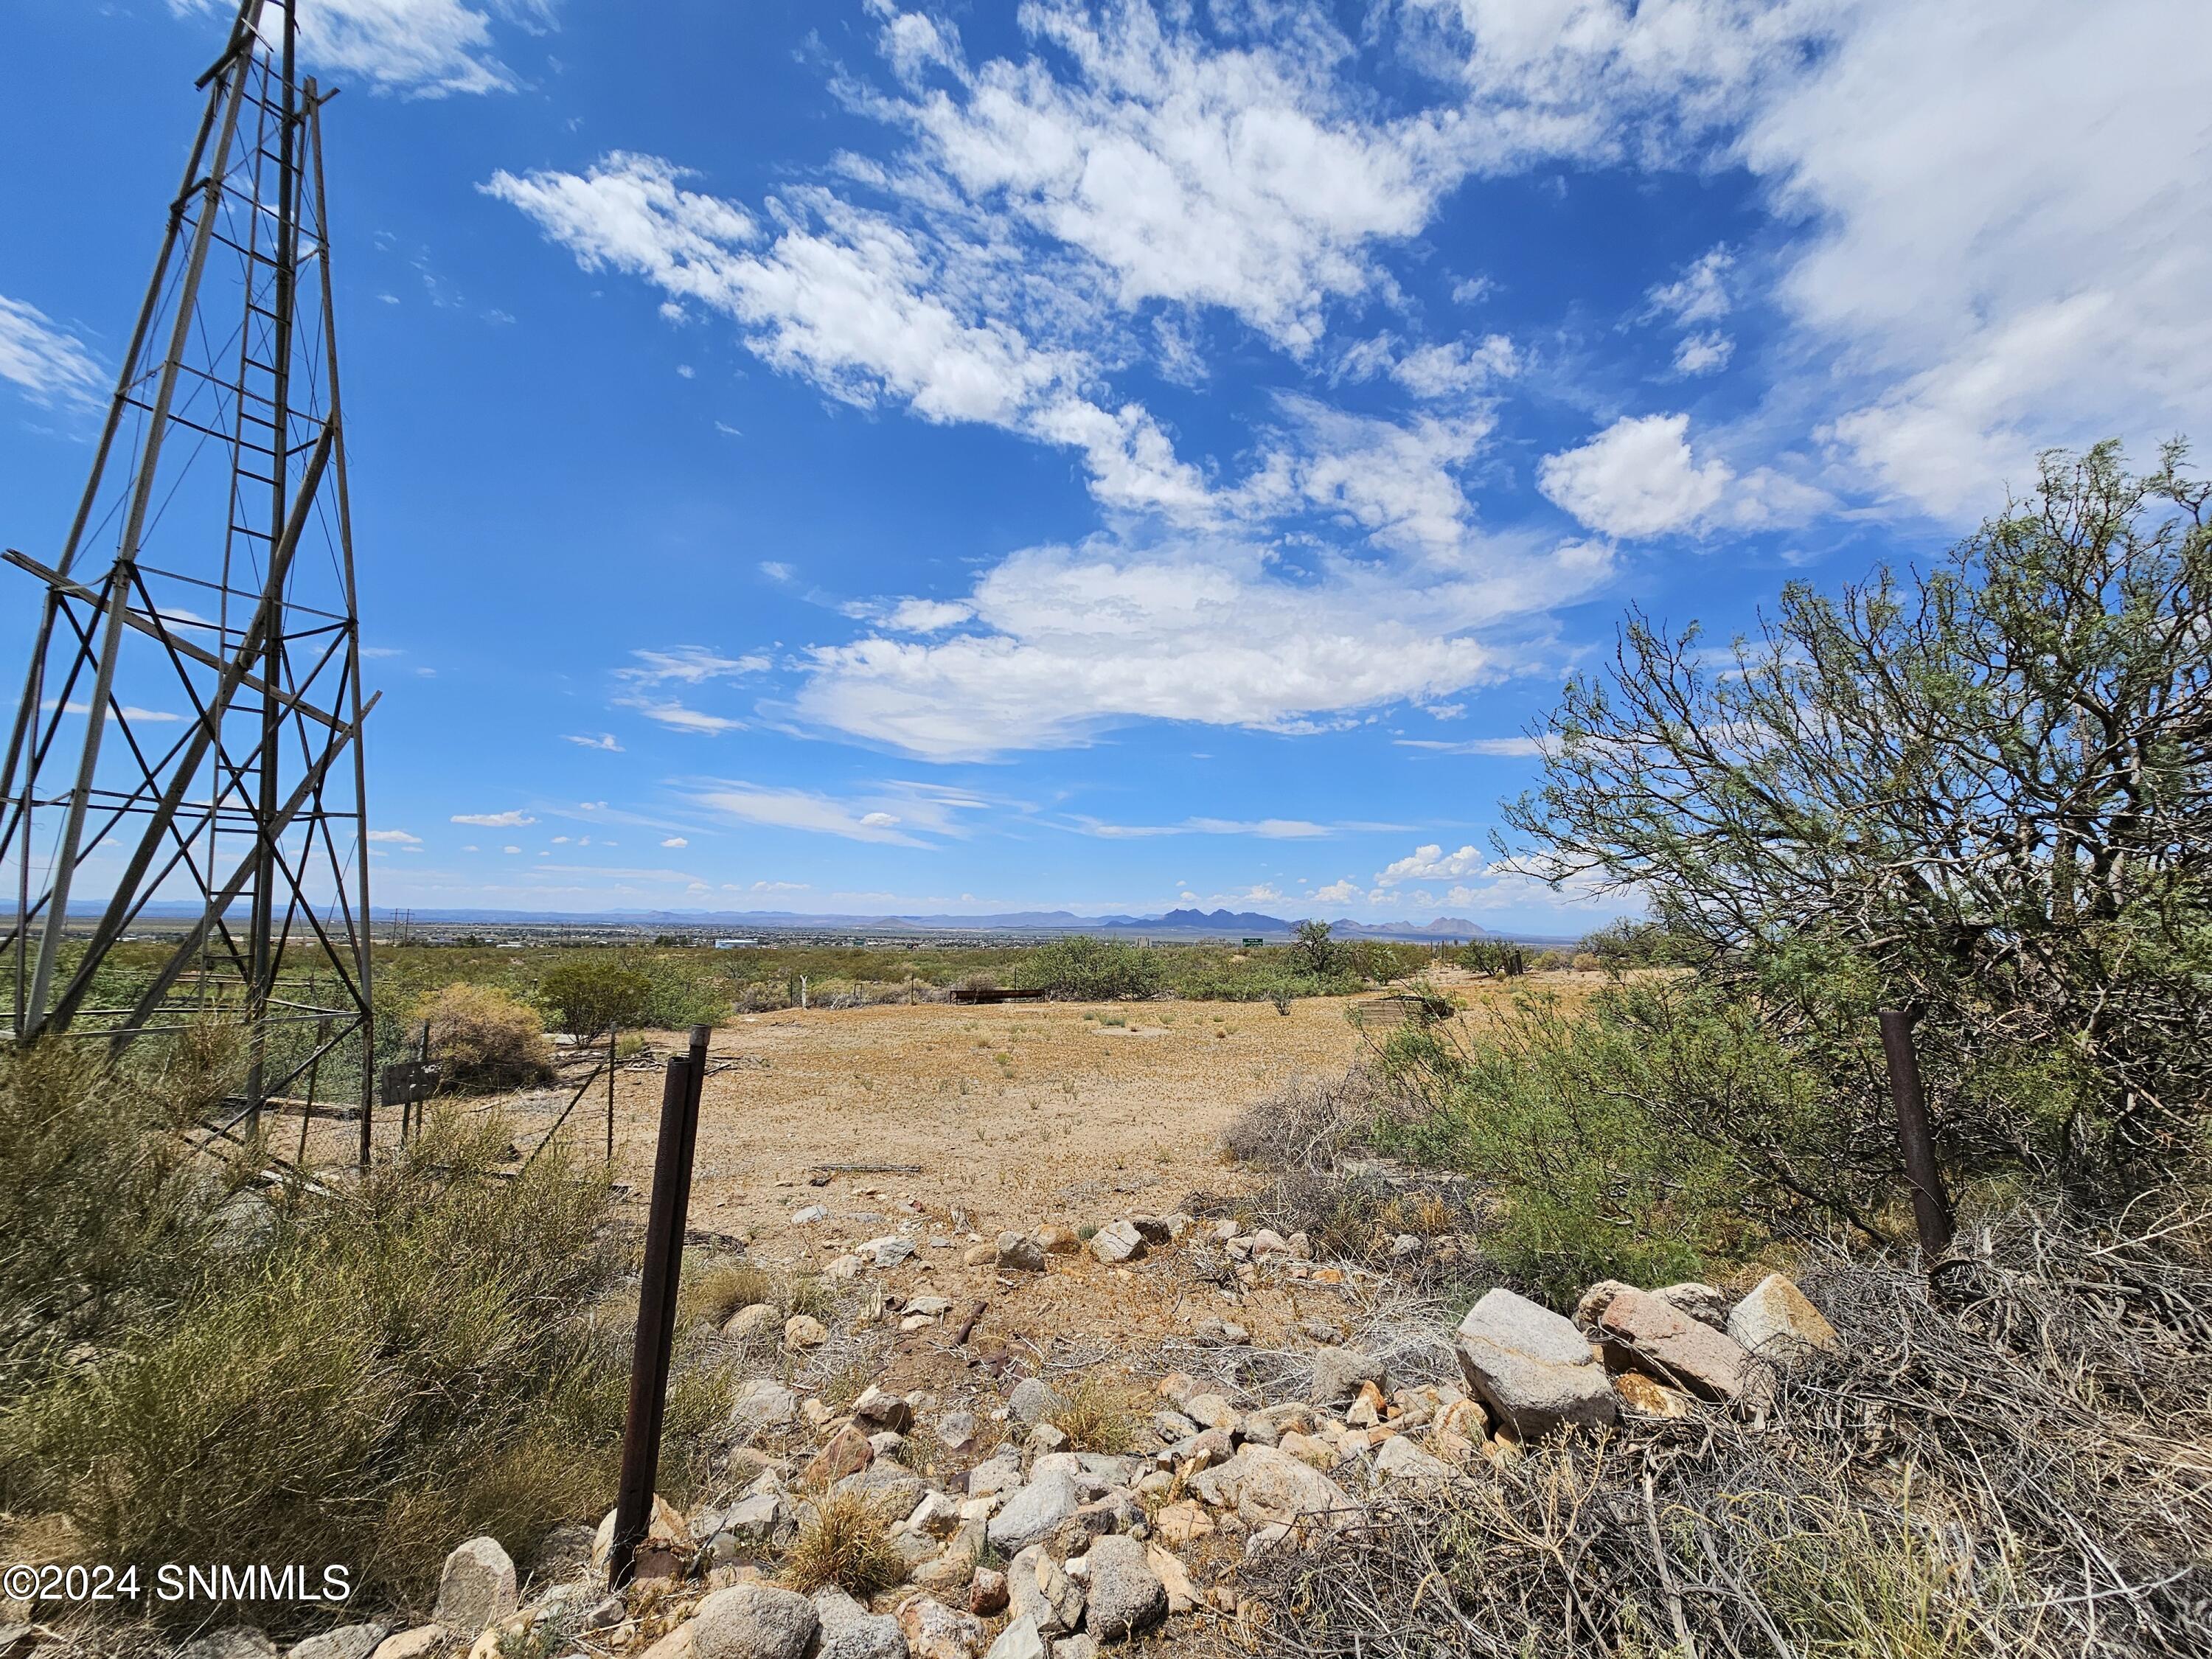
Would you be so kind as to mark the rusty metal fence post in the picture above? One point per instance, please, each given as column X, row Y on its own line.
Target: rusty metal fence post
column 1931, row 1208
column 656, row 1304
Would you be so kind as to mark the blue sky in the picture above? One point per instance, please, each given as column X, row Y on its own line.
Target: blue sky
column 837, row 456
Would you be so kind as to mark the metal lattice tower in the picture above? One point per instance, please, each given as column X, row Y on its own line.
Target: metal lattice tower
column 187, row 754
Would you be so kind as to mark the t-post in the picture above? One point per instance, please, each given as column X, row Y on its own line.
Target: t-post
column 1931, row 1209
column 656, row 1304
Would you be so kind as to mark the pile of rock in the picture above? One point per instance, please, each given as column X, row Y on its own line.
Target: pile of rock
column 1645, row 1352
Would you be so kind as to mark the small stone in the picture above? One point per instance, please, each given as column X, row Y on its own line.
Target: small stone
column 346, row 1642
column 986, row 1593
column 935, row 1630
column 995, row 1474
column 929, row 1307
column 1532, row 1367
column 749, row 1323
column 1210, row 1411
column 765, row 1403
column 1778, row 1322
column 1117, row 1241
column 1042, row 1593
column 1642, row 1333
column 804, row 1331
column 1019, row 1640
column 754, row 1621
column 837, row 1610
column 847, row 1452
column 1399, row 1459
column 1033, row 1400
column 1338, row 1372
column 237, row 1642
column 1081, row 1645
column 1703, row 1302
column 1183, row 1523
column 1315, row 1454
column 1031, row 1514
column 414, row 1644
column 476, row 1588
column 1640, row 1394
column 810, row 1214
column 1126, row 1597
column 878, row 1409
column 871, row 1636
column 1020, row 1252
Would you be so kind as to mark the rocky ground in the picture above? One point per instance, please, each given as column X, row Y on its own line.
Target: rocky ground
column 1046, row 1490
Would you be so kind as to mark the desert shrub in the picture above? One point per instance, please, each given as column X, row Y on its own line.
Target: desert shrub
column 1976, row 788
column 1628, row 1142
column 1087, row 969
column 680, row 990
column 1306, row 1124
column 1632, row 943
column 484, row 1039
column 587, row 993
column 382, row 1371
column 842, row 1541
column 105, row 1219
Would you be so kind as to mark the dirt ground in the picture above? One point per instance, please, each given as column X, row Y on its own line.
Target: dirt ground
column 1007, row 1117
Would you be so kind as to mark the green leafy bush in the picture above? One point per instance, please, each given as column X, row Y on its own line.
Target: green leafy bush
column 1633, row 1141
column 587, row 993
column 1089, row 970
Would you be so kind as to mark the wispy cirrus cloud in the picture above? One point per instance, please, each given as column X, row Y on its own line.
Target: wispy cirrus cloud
column 48, row 363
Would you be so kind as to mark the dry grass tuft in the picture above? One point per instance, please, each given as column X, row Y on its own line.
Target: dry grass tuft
column 842, row 1541
column 1102, row 1414
column 719, row 1289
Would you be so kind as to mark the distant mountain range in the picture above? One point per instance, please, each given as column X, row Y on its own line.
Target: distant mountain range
column 1184, row 924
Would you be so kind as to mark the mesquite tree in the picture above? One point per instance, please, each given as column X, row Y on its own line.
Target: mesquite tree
column 1979, row 789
